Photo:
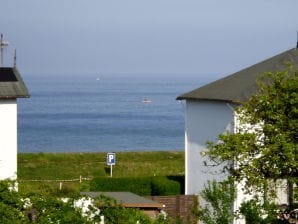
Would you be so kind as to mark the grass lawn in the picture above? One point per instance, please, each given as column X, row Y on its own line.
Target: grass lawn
column 67, row 166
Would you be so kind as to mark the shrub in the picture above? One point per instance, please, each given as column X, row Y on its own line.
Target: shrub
column 164, row 186
column 181, row 180
column 118, row 214
column 137, row 185
column 219, row 198
column 256, row 211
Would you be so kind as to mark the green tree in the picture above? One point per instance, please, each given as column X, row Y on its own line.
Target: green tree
column 219, row 198
column 269, row 152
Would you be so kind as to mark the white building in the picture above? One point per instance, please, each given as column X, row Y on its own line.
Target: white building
column 11, row 88
column 210, row 112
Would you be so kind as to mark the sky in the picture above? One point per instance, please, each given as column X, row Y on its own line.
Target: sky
column 145, row 36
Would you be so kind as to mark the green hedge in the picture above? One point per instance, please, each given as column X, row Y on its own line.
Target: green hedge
column 138, row 185
column 181, row 180
column 164, row 186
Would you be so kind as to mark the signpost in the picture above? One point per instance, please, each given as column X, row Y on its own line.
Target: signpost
column 111, row 160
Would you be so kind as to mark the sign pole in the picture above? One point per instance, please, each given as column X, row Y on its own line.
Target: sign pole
column 111, row 160
column 111, row 170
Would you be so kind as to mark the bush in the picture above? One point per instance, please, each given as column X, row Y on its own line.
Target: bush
column 18, row 209
column 164, row 186
column 118, row 214
column 181, row 180
column 256, row 211
column 138, row 185
column 219, row 198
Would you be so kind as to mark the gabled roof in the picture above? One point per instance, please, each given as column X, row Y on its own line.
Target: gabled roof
column 11, row 84
column 127, row 199
column 239, row 86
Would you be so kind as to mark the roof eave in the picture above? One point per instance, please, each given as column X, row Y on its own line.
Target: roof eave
column 141, row 205
column 14, row 97
column 212, row 100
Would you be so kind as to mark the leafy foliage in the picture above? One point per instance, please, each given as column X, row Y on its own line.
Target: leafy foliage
column 257, row 212
column 265, row 147
column 118, row 214
column 11, row 206
column 45, row 208
column 219, row 197
column 53, row 210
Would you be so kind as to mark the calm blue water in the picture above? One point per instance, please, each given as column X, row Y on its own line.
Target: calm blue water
column 81, row 113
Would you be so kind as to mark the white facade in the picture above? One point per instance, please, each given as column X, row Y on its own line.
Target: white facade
column 8, row 139
column 204, row 121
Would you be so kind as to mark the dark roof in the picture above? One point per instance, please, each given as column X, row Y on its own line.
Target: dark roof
column 12, row 84
column 239, row 86
column 127, row 199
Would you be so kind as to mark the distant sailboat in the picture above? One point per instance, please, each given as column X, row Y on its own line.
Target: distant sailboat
column 146, row 101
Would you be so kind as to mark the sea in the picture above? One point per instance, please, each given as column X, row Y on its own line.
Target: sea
column 104, row 112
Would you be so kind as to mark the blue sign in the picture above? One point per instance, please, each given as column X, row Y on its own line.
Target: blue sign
column 111, row 158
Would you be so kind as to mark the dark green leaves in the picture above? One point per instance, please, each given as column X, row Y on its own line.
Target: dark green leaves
column 265, row 147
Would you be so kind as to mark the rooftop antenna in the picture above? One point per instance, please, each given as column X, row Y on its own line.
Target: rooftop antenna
column 297, row 40
column 2, row 45
column 15, row 58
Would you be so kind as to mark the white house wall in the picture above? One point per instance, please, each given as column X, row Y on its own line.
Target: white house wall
column 8, row 139
column 204, row 121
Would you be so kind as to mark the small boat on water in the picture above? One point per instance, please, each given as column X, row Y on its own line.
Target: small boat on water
column 146, row 101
